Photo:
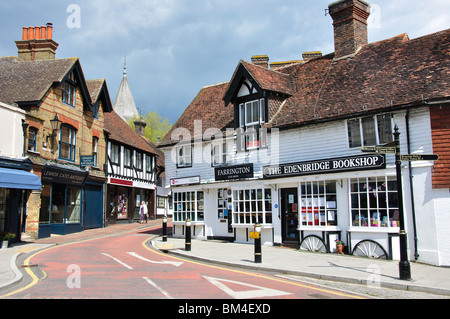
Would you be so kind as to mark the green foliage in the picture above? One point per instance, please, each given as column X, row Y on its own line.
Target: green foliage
column 157, row 126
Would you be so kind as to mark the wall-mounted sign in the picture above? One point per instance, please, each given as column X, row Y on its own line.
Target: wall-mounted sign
column 87, row 160
column 334, row 165
column 185, row 181
column 234, row 172
column 62, row 175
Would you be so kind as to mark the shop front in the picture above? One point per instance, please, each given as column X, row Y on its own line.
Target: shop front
column 16, row 183
column 124, row 198
column 61, row 209
column 351, row 199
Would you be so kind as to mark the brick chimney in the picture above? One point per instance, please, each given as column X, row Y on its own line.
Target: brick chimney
column 261, row 60
column 350, row 26
column 139, row 126
column 37, row 43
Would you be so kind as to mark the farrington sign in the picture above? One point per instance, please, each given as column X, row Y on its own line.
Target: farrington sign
column 334, row 165
column 234, row 172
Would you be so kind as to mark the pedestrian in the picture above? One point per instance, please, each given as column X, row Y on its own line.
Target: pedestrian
column 143, row 213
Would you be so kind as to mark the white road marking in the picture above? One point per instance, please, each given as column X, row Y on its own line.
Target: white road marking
column 256, row 292
column 117, row 260
column 173, row 263
column 165, row 293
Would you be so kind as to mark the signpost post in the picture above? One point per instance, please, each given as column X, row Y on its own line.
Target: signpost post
column 394, row 148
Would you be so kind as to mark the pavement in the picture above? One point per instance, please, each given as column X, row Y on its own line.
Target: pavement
column 280, row 260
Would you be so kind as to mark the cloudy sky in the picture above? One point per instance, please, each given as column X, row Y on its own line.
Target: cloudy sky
column 175, row 47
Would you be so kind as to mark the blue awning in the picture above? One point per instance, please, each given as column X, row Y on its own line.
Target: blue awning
column 17, row 179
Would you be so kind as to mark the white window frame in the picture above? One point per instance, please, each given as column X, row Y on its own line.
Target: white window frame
column 184, row 156
column 250, row 124
column 188, row 205
column 249, row 208
column 362, row 142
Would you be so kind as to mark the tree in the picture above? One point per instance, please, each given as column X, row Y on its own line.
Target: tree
column 157, row 126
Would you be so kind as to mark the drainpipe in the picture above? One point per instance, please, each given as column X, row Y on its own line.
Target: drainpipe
column 416, row 254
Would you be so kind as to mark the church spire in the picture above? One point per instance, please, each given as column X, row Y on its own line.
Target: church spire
column 124, row 104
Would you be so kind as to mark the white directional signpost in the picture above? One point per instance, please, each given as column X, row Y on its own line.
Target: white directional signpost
column 394, row 148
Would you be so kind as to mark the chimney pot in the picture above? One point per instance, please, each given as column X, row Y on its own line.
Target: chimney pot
column 49, row 31
column 30, row 33
column 25, row 34
column 37, row 33
column 43, row 32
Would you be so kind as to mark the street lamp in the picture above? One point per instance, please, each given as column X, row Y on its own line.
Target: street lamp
column 56, row 126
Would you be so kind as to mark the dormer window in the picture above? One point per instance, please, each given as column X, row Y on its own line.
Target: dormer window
column 251, row 117
column 69, row 94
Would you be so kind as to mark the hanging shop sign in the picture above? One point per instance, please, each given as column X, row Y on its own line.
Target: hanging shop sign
column 62, row 175
column 234, row 172
column 326, row 166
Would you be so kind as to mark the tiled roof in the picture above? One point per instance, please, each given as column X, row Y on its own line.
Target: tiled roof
column 382, row 76
column 207, row 107
column 121, row 132
column 22, row 82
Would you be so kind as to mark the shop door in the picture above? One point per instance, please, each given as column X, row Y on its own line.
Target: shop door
column 93, row 214
column 289, row 212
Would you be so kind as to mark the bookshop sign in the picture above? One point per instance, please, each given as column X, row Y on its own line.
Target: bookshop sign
column 334, row 165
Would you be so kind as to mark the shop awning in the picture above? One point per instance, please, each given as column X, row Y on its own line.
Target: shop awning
column 18, row 179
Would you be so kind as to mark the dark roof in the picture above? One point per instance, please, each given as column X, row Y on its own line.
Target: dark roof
column 27, row 82
column 383, row 76
column 121, row 132
column 23, row 82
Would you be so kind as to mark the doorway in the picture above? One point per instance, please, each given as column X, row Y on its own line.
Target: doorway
column 289, row 213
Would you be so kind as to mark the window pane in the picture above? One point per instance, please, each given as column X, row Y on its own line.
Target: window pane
column 65, row 134
column 73, row 205
column 354, row 133
column 368, row 125
column 385, row 128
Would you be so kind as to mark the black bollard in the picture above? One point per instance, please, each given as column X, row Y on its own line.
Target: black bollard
column 164, row 236
column 187, row 246
column 258, row 250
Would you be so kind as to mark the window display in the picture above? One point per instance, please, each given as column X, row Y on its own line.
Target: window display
column 374, row 202
column 318, row 203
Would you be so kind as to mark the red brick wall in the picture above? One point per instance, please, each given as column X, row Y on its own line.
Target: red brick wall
column 440, row 129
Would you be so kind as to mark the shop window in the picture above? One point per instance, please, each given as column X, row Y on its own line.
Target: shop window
column 32, row 139
column 67, row 143
column 251, row 206
column 188, row 205
column 318, row 202
column 369, row 131
column 60, row 205
column 160, row 202
column 184, row 156
column 374, row 202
